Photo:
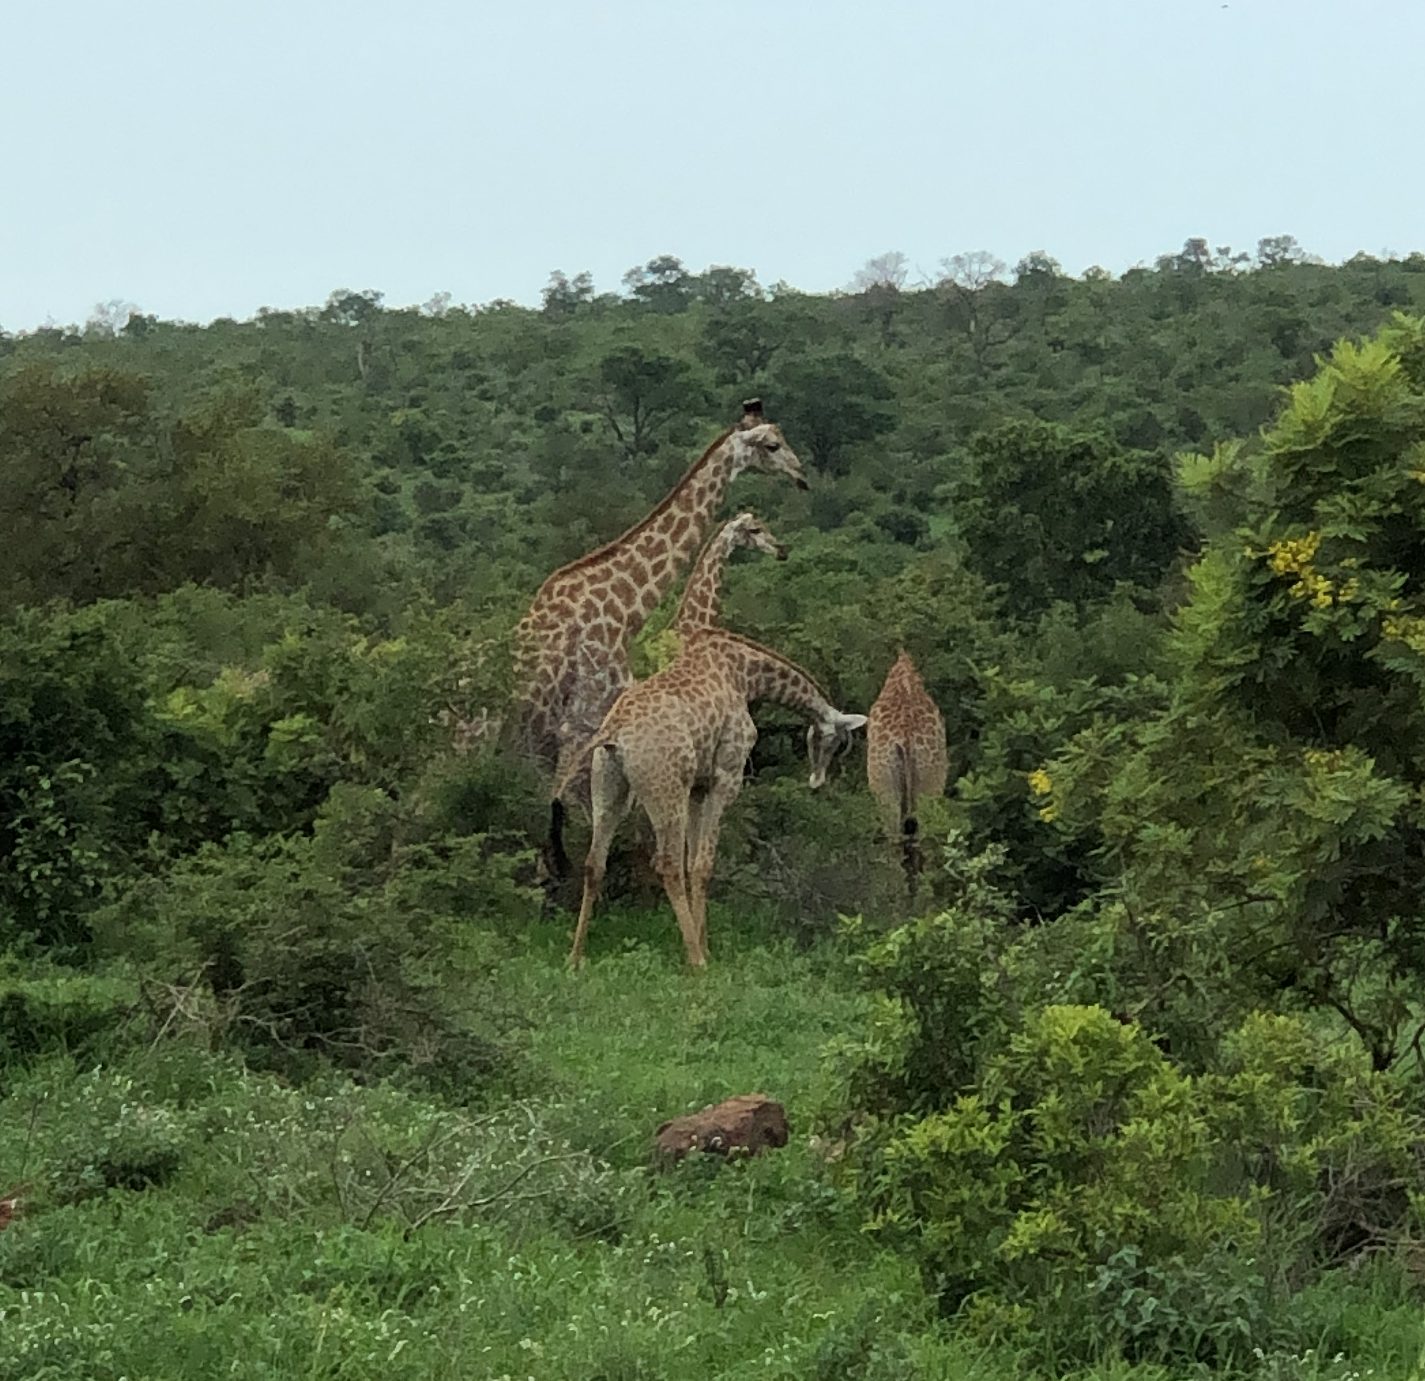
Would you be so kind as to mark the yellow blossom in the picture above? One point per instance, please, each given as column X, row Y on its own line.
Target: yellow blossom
column 1294, row 554
column 1040, row 783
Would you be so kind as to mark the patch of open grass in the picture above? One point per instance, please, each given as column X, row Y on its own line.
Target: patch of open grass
column 187, row 1217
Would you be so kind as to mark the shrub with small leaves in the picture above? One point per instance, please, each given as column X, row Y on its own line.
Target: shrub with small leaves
column 1085, row 1196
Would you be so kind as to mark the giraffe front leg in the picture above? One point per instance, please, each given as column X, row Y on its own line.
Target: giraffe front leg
column 610, row 802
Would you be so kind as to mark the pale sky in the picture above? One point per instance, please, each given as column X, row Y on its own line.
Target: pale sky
column 204, row 158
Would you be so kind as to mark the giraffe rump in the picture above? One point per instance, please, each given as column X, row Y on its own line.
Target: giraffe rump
column 906, row 758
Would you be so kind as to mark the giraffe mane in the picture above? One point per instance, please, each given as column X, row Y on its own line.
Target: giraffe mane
column 659, row 509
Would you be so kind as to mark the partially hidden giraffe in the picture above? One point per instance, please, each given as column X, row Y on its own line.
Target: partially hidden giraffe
column 572, row 646
column 678, row 744
column 906, row 758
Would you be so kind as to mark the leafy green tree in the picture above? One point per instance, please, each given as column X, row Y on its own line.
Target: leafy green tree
column 1270, row 816
column 252, row 501
column 1049, row 513
column 721, row 286
column 878, row 284
column 1276, row 250
column 347, row 308
column 563, row 296
column 640, row 392
column 831, row 401
column 977, row 304
column 741, row 339
column 662, row 285
column 68, row 444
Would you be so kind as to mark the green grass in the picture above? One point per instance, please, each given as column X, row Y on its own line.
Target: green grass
column 644, row 1038
column 189, row 1218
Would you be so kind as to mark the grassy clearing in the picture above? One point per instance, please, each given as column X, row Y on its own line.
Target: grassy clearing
column 190, row 1218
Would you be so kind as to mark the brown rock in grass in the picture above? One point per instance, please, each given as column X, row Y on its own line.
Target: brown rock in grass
column 745, row 1125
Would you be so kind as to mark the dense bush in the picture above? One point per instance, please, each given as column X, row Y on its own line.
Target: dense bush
column 1266, row 816
column 1090, row 1195
column 74, row 739
column 356, row 942
column 1049, row 514
column 45, row 1008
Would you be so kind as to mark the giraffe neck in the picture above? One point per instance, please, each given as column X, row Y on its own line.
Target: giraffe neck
column 766, row 675
column 653, row 554
column 702, row 599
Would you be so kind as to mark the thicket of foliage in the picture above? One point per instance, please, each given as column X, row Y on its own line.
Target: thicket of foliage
column 1138, row 1079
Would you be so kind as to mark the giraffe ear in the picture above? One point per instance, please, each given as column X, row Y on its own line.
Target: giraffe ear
column 850, row 722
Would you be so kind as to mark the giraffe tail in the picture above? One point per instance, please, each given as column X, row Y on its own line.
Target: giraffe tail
column 910, row 826
column 559, row 858
column 558, row 813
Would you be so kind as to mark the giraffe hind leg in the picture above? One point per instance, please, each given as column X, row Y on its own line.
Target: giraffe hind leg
column 910, row 826
column 911, row 858
column 705, row 827
column 611, row 799
column 671, row 830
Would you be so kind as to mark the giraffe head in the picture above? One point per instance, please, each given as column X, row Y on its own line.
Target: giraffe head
column 758, row 444
column 826, row 738
column 748, row 530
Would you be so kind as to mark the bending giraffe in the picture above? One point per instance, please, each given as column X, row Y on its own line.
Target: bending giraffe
column 678, row 744
column 572, row 645
column 906, row 758
column 700, row 607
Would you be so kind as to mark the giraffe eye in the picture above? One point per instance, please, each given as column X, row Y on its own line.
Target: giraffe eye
column 774, row 445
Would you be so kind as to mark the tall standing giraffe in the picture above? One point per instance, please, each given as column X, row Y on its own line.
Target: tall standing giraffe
column 572, row 645
column 678, row 744
column 906, row 758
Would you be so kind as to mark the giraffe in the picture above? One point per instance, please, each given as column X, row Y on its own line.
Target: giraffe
column 700, row 607
column 678, row 744
column 905, row 756
column 572, row 645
